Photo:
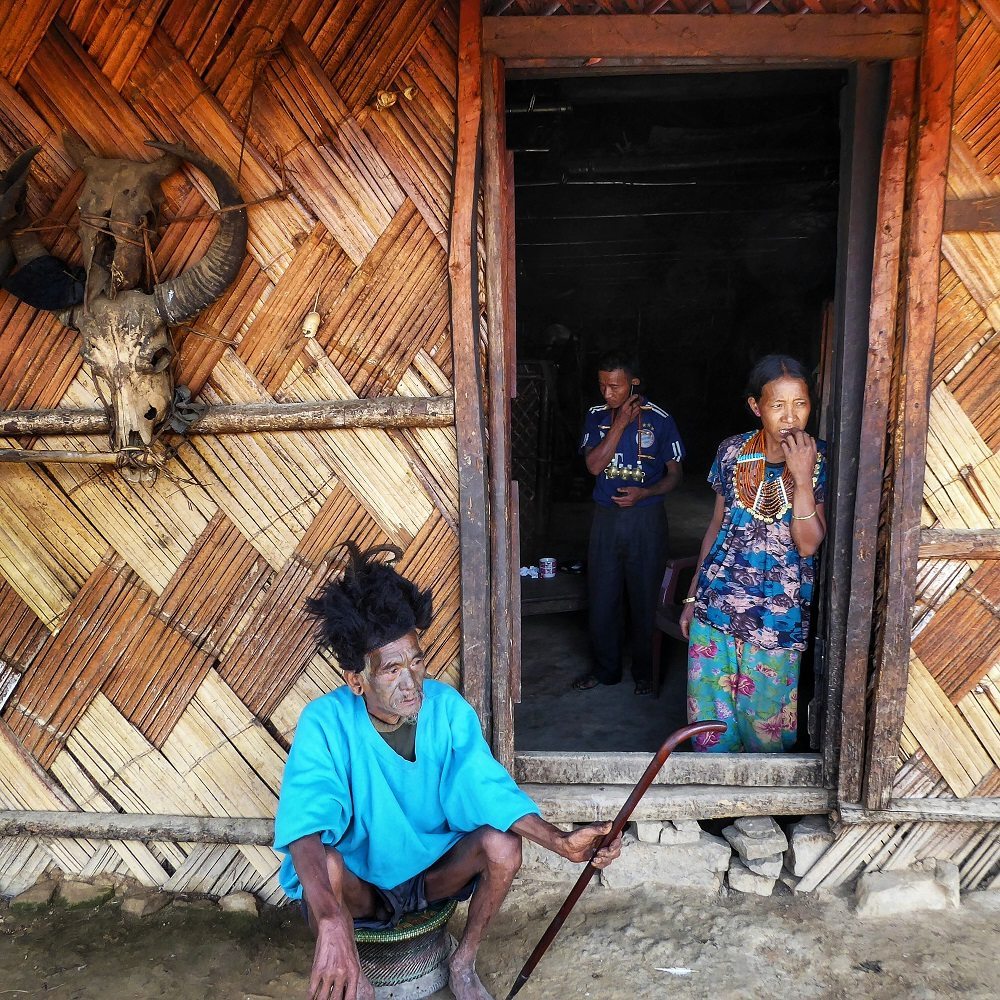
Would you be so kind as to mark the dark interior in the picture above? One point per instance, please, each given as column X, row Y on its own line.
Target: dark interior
column 692, row 220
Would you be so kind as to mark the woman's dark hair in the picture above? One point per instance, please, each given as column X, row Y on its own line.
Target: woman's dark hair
column 618, row 359
column 774, row 366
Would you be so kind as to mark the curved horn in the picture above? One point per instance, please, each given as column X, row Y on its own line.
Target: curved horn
column 12, row 186
column 180, row 298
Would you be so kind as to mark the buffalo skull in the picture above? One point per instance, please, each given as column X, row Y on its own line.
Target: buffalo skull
column 125, row 329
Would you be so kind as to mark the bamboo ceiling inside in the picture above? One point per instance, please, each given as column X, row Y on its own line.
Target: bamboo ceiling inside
column 155, row 654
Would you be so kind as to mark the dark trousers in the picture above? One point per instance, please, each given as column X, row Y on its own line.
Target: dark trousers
column 627, row 554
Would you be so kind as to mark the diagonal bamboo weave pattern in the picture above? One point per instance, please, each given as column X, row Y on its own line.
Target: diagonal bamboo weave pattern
column 155, row 654
column 951, row 733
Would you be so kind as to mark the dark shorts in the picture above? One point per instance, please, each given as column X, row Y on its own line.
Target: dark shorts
column 407, row 897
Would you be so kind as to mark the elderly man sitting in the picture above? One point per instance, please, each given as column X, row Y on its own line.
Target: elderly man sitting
column 391, row 799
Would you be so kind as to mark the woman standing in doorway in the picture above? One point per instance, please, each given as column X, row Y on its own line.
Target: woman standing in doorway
column 747, row 614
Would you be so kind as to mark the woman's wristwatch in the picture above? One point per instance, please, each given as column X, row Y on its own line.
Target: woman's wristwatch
column 689, row 600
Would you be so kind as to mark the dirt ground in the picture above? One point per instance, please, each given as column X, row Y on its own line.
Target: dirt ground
column 615, row 945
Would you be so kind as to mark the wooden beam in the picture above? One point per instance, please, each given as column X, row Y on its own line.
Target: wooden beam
column 588, row 803
column 909, row 445
column 499, row 324
column 147, row 828
column 974, row 215
column 970, row 810
column 960, row 543
column 254, row 418
column 27, row 455
column 474, row 557
column 871, row 446
column 790, row 770
column 598, row 41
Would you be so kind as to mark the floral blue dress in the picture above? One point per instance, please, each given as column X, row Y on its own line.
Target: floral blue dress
column 751, row 618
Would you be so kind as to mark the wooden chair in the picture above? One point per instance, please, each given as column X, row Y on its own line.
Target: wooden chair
column 668, row 609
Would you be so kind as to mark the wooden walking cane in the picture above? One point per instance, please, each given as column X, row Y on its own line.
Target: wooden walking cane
column 617, row 826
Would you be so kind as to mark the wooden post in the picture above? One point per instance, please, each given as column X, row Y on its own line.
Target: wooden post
column 871, row 450
column 474, row 556
column 498, row 274
column 909, row 445
column 863, row 138
column 131, row 826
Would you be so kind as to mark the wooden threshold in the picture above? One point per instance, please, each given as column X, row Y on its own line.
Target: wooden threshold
column 749, row 770
column 592, row 803
column 594, row 42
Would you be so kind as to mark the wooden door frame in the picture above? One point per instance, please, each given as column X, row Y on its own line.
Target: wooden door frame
column 582, row 44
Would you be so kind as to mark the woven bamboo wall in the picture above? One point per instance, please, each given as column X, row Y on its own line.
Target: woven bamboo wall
column 951, row 733
column 155, row 654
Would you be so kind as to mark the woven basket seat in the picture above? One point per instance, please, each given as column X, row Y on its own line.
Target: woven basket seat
column 410, row 959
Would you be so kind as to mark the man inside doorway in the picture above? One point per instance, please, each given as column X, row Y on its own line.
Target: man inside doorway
column 635, row 451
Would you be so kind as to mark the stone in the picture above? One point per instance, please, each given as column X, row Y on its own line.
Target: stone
column 649, row 833
column 810, row 838
column 787, row 878
column 768, row 867
column 756, row 837
column 743, row 880
column 194, row 904
column 145, row 904
column 680, row 831
column 38, row 896
column 947, row 875
column 84, row 893
column 697, row 867
column 894, row 893
column 244, row 903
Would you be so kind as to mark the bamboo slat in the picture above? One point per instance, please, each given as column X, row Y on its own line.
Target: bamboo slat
column 369, row 44
column 183, row 630
column 22, row 634
column 275, row 340
column 962, row 641
column 962, row 482
column 981, row 710
column 22, row 28
column 114, row 36
column 317, row 679
column 367, row 460
column 209, row 600
column 385, row 313
column 151, row 526
column 278, row 640
column 941, row 731
column 47, row 551
column 172, row 100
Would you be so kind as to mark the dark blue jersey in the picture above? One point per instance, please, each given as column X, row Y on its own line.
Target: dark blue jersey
column 643, row 451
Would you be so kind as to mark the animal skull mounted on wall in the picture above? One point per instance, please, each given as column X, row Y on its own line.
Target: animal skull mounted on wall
column 125, row 329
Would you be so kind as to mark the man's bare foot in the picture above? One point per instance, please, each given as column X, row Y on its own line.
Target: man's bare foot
column 365, row 989
column 464, row 983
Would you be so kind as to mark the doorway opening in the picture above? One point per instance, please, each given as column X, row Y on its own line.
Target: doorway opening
column 691, row 219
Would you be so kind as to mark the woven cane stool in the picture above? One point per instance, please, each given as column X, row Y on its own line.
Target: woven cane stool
column 409, row 960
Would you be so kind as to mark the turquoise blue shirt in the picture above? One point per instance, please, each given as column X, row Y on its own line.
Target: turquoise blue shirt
column 390, row 818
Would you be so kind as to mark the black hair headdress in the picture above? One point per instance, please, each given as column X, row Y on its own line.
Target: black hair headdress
column 369, row 606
